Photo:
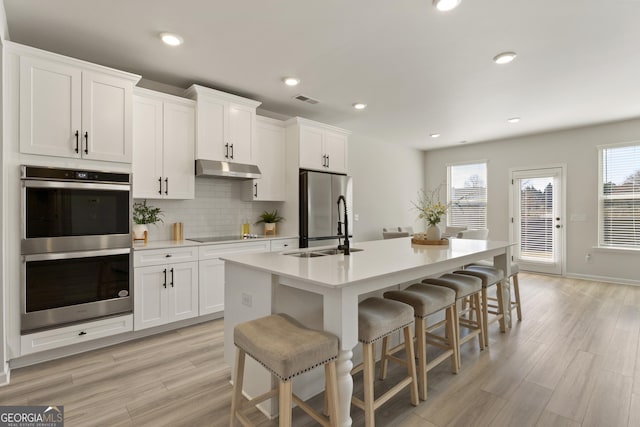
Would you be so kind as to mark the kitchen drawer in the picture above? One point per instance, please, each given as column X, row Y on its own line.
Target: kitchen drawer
column 216, row 251
column 163, row 256
column 284, row 244
column 54, row 338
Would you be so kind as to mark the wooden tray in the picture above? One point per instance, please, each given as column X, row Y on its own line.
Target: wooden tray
column 418, row 240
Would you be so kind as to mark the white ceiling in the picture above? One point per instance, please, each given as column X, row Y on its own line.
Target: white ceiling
column 419, row 70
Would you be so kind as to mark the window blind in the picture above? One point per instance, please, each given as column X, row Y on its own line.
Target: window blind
column 536, row 219
column 467, row 195
column 619, row 196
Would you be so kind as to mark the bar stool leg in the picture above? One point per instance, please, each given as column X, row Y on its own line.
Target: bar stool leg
column 501, row 310
column 284, row 398
column 411, row 364
column 331, row 392
column 237, row 386
column 452, row 339
column 485, row 314
column 478, row 313
column 422, row 357
column 384, row 358
column 516, row 291
column 368, row 357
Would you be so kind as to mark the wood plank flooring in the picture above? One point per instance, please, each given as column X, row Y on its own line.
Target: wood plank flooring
column 573, row 361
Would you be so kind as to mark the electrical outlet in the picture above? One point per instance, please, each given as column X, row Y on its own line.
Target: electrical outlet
column 356, row 217
column 247, row 299
column 588, row 259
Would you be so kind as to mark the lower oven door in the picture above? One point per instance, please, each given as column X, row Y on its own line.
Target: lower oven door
column 61, row 288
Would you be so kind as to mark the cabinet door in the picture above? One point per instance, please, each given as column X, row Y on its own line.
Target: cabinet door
column 179, row 140
column 242, row 121
column 50, row 108
column 183, row 290
column 312, row 155
column 150, row 296
column 269, row 154
column 106, row 117
column 335, row 147
column 212, row 122
column 211, row 286
column 147, row 148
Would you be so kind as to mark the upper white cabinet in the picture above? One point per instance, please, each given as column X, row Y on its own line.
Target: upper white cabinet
column 70, row 108
column 163, row 146
column 320, row 147
column 225, row 125
column 269, row 154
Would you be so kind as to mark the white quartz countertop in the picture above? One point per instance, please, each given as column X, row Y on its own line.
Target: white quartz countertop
column 378, row 258
column 168, row 244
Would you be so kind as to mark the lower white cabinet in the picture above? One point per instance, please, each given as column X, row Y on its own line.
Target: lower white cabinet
column 212, row 271
column 75, row 334
column 165, row 293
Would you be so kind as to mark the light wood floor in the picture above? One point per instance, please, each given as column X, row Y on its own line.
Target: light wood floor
column 572, row 361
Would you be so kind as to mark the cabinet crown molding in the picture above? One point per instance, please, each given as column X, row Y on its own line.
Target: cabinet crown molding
column 148, row 93
column 299, row 121
column 24, row 50
column 196, row 91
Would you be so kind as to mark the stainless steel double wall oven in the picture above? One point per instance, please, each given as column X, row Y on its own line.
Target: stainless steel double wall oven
column 76, row 246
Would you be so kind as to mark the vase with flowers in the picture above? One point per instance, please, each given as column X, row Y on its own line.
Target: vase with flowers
column 431, row 209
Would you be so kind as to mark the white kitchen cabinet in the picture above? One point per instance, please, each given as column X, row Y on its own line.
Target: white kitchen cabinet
column 269, row 155
column 163, row 146
column 165, row 286
column 212, row 271
column 321, row 147
column 225, row 125
column 69, row 108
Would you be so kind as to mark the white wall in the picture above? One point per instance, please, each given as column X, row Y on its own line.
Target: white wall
column 3, row 352
column 386, row 178
column 577, row 148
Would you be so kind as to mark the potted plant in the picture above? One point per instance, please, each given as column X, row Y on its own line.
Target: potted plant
column 431, row 209
column 270, row 219
column 144, row 214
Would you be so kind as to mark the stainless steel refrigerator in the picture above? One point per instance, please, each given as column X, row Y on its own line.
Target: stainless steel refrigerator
column 319, row 214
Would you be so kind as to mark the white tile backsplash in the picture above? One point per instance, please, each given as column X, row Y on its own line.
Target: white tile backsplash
column 217, row 210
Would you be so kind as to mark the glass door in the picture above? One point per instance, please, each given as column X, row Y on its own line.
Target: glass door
column 538, row 219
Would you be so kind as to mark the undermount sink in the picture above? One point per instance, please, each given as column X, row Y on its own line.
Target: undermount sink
column 324, row 252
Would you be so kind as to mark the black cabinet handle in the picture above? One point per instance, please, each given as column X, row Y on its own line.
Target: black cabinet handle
column 172, row 277
column 77, row 141
column 232, row 151
column 82, row 333
column 327, row 160
column 167, row 256
column 166, row 186
column 226, row 152
column 160, row 185
column 165, row 278
column 324, row 160
column 255, row 193
column 86, row 147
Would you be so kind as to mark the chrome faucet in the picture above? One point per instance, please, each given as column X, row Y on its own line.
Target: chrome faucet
column 344, row 247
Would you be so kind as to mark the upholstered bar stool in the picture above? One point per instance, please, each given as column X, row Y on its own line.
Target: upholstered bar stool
column 515, row 269
column 286, row 349
column 464, row 286
column 490, row 276
column 378, row 318
column 427, row 300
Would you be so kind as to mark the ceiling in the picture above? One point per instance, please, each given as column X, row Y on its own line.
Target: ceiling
column 420, row 71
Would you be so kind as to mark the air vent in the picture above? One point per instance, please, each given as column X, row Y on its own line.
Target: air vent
column 305, row 98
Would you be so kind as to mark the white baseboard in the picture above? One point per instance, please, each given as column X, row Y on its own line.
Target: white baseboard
column 615, row 280
column 5, row 375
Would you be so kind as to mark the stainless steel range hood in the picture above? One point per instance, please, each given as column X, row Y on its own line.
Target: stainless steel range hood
column 219, row 169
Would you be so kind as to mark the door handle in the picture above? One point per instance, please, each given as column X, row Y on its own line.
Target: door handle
column 231, row 150
column 77, row 141
column 255, row 194
column 166, row 186
column 324, row 160
column 165, row 278
column 160, row 185
column 86, row 147
column 558, row 226
column 172, row 277
column 327, row 160
column 226, row 152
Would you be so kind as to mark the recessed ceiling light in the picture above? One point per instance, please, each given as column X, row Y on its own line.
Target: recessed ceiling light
column 291, row 81
column 446, row 5
column 435, row 135
column 504, row 57
column 171, row 39
column 514, row 120
column 359, row 106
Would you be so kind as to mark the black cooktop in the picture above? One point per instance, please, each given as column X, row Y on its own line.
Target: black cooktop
column 214, row 239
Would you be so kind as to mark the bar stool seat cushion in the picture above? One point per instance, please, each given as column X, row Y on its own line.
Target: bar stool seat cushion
column 515, row 268
column 284, row 346
column 378, row 317
column 489, row 275
column 461, row 284
column 425, row 299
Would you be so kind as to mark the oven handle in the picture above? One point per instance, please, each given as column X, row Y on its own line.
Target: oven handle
column 70, row 255
column 75, row 185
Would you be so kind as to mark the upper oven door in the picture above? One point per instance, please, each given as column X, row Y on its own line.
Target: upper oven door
column 71, row 216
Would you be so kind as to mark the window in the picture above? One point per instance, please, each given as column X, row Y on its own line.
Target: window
column 619, row 196
column 467, row 192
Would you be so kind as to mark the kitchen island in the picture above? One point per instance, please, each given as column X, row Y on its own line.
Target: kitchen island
column 322, row 292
